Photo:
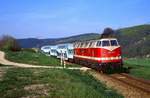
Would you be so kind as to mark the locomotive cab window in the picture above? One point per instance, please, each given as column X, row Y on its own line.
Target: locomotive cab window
column 90, row 44
column 105, row 43
column 98, row 43
column 113, row 42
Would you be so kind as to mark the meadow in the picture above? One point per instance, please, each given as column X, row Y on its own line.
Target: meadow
column 140, row 67
column 52, row 83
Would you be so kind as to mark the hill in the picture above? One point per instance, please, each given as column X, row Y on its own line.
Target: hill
column 135, row 41
column 32, row 42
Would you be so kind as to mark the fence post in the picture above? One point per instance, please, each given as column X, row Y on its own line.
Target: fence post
column 61, row 58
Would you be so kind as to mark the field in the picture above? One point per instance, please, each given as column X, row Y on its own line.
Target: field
column 50, row 83
column 140, row 67
column 31, row 57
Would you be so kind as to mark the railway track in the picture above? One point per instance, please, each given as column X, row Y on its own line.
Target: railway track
column 136, row 83
column 127, row 85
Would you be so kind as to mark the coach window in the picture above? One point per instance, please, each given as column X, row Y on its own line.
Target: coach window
column 105, row 43
column 70, row 51
column 113, row 43
column 98, row 43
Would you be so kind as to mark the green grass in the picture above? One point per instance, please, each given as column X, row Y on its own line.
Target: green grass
column 139, row 61
column 58, row 84
column 140, row 67
column 30, row 57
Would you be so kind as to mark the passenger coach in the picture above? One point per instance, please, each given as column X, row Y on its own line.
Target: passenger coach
column 66, row 50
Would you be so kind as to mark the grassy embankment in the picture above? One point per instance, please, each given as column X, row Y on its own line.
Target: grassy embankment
column 31, row 57
column 50, row 83
column 139, row 67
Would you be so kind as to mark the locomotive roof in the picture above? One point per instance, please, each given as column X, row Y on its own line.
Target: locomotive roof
column 91, row 43
column 108, row 39
column 98, row 40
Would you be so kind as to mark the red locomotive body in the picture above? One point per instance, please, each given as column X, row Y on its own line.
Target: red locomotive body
column 98, row 54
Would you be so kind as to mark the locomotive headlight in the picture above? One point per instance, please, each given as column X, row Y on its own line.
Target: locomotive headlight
column 117, row 57
column 120, row 57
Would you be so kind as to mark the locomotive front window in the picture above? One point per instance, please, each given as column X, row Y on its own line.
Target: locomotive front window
column 113, row 43
column 105, row 43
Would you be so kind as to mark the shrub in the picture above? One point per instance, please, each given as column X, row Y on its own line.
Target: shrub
column 9, row 43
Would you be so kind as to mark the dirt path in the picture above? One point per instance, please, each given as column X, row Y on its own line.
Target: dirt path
column 6, row 62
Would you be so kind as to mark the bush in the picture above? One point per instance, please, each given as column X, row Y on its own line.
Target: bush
column 9, row 43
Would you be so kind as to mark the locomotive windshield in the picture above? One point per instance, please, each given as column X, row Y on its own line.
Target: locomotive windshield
column 109, row 42
column 113, row 43
column 105, row 43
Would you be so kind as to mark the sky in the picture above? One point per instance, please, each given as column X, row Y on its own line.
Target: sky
column 62, row 18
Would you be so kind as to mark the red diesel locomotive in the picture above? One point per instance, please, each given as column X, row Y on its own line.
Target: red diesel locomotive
column 98, row 54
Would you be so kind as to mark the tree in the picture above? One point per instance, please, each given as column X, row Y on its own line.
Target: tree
column 9, row 43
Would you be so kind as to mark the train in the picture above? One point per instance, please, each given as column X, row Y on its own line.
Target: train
column 66, row 50
column 102, row 54
column 49, row 50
